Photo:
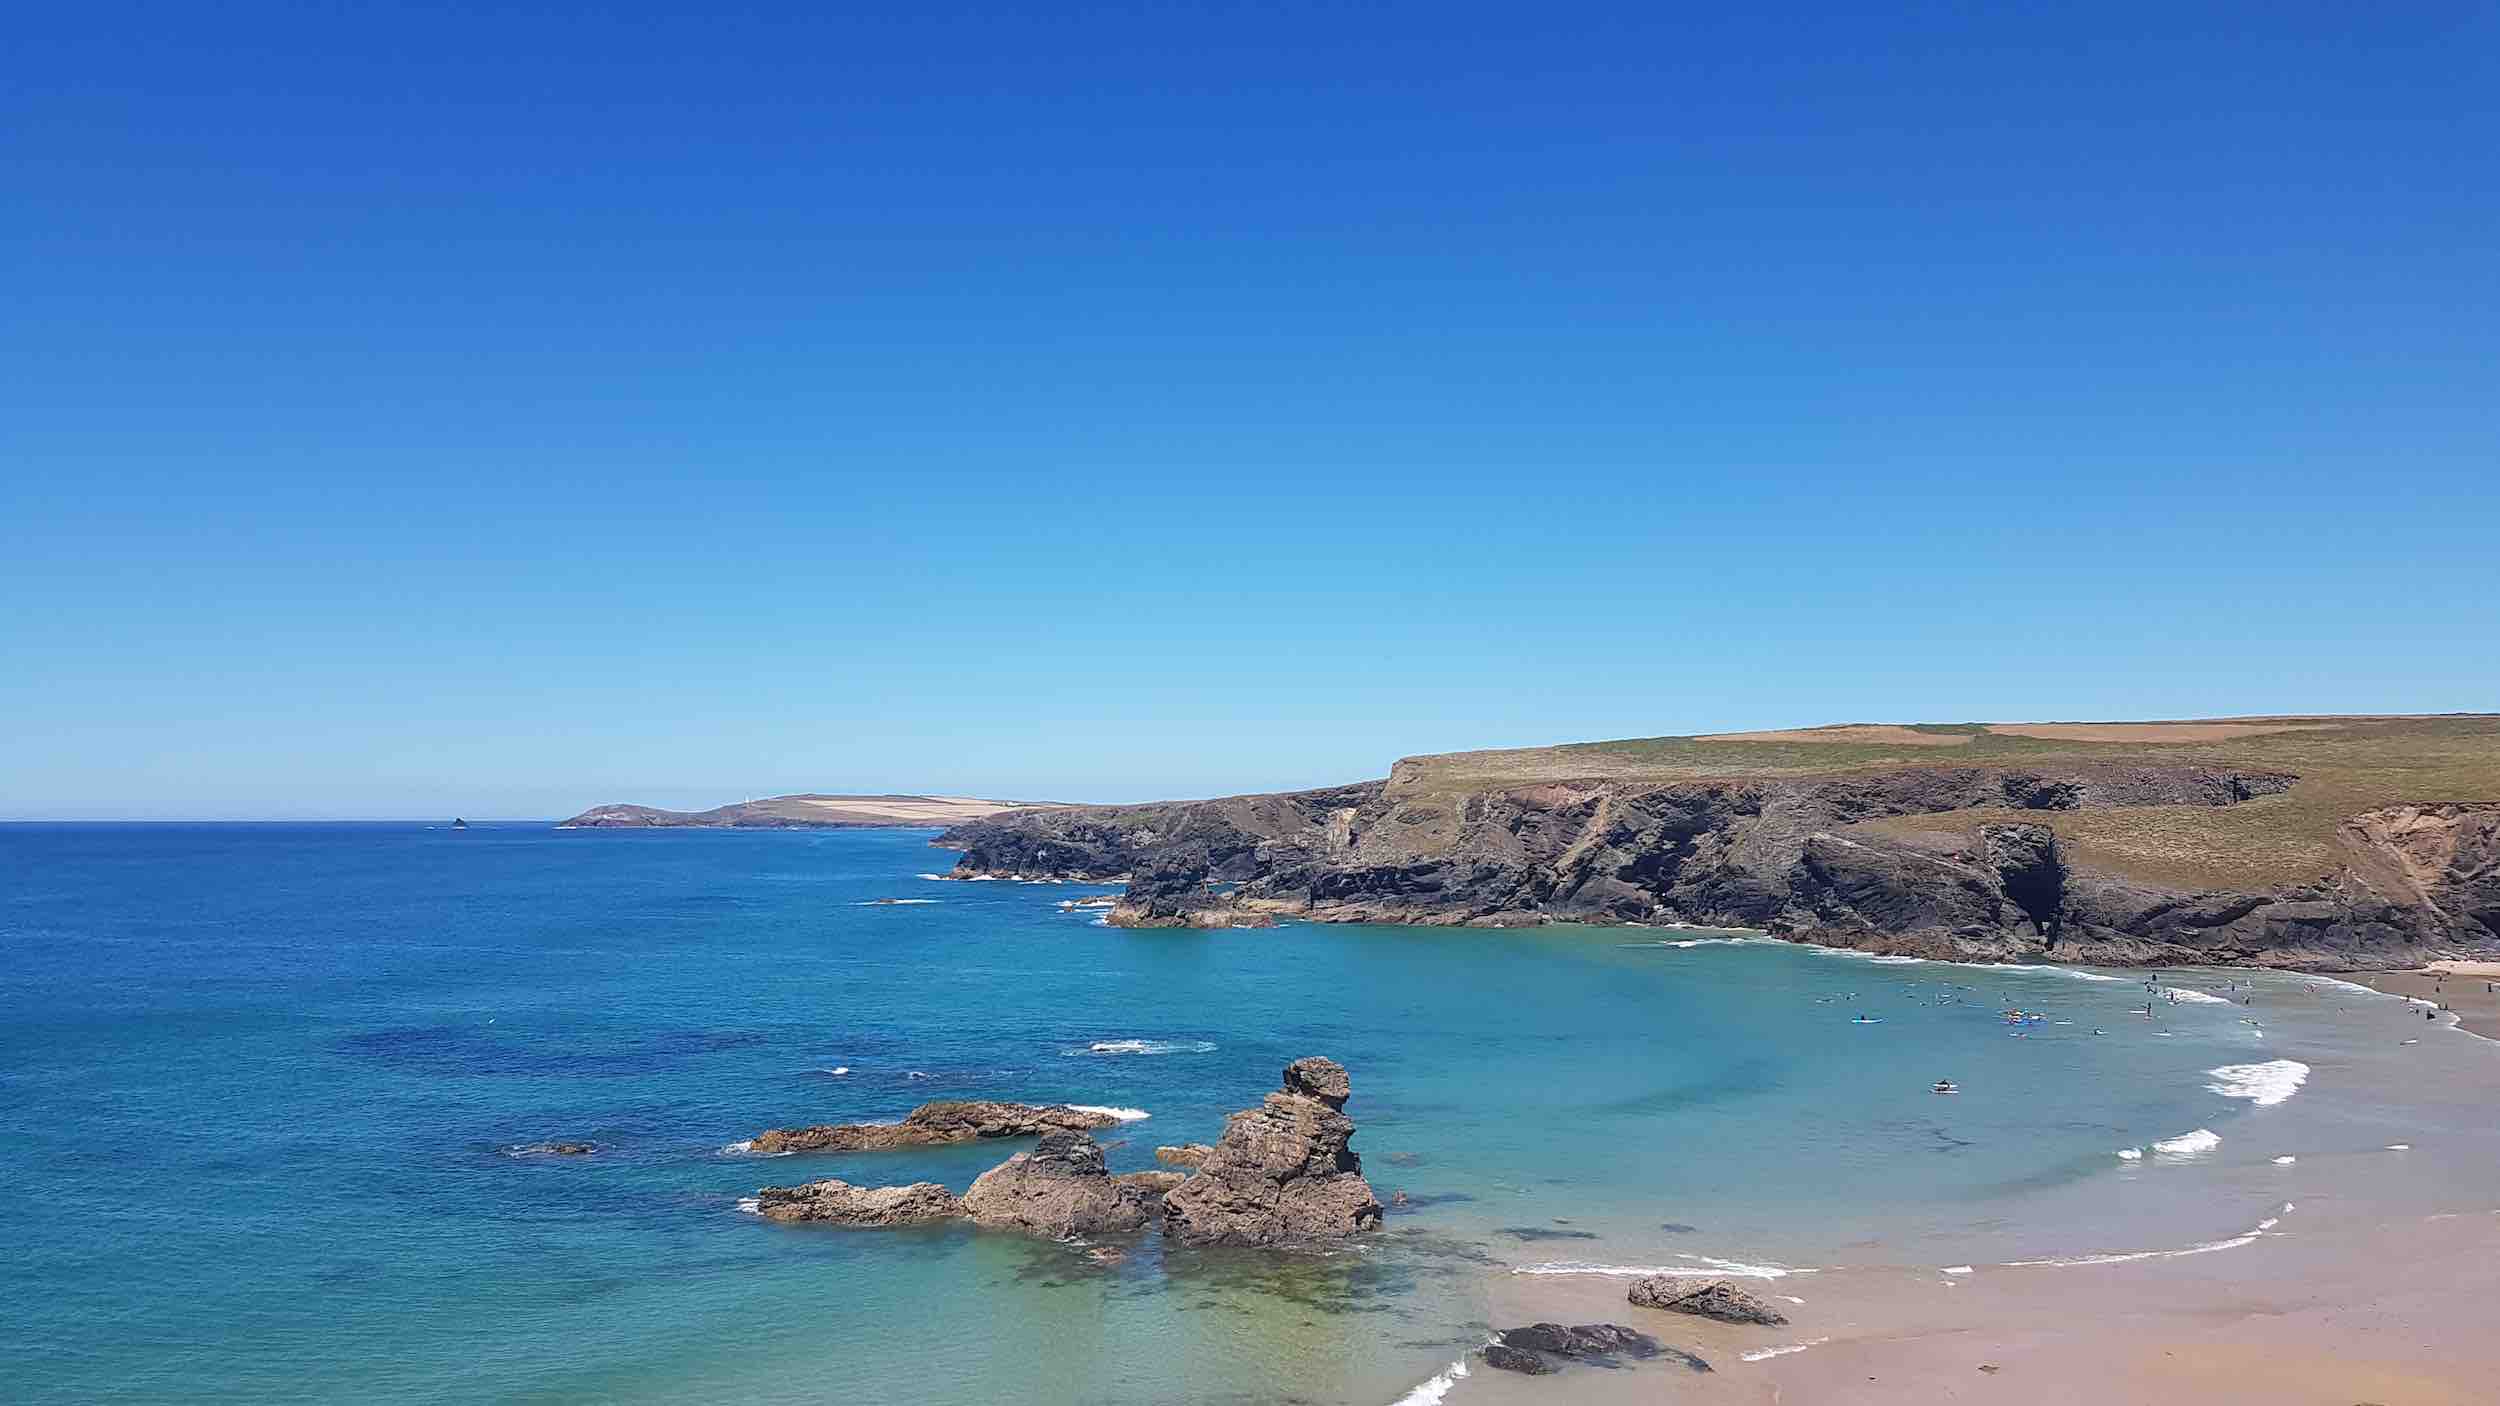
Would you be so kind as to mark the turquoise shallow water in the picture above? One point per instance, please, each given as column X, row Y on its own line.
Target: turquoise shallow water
column 262, row 1085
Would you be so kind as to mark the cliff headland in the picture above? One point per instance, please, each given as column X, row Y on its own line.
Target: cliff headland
column 2329, row 842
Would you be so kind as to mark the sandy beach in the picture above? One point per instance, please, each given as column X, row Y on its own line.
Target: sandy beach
column 2364, row 1276
column 2396, row 1314
column 2470, row 989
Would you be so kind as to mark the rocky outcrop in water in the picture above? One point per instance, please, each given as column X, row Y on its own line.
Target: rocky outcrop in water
column 1533, row 1348
column 931, row 1124
column 1796, row 856
column 833, row 1202
column 1188, row 1154
column 1283, row 1173
column 1706, row 1298
column 554, row 1149
column 1059, row 1188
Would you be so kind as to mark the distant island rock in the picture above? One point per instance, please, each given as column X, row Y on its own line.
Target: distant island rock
column 806, row 812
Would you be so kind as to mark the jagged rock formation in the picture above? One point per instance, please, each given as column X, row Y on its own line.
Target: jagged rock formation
column 1188, row 1154
column 1707, row 1298
column 833, row 1202
column 1531, row 1349
column 1836, row 858
column 953, row 1120
column 1058, row 1188
column 1283, row 1173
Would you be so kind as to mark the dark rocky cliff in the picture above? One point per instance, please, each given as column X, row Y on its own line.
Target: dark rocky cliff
column 1792, row 855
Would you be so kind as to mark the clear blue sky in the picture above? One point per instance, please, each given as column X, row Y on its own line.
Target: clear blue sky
column 419, row 409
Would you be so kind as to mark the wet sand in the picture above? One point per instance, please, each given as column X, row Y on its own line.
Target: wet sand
column 2395, row 1314
column 2457, row 985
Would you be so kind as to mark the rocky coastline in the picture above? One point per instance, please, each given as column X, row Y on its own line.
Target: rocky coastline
column 1795, row 857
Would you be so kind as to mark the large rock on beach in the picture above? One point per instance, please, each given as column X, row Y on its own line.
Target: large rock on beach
column 833, row 1202
column 1283, row 1173
column 952, row 1120
column 1705, row 1298
column 1060, row 1188
column 1532, row 1348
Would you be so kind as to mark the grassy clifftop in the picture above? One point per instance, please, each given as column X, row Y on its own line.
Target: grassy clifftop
column 2346, row 765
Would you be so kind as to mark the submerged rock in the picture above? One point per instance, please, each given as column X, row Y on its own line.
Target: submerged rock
column 1060, row 1188
column 555, row 1149
column 1283, row 1172
column 1707, row 1298
column 1188, row 1154
column 951, row 1120
column 833, row 1202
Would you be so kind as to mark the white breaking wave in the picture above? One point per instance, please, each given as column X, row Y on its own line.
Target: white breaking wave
column 2285, row 1161
column 2264, row 1084
column 1125, row 1115
column 2262, row 1229
column 2205, row 1249
column 894, row 902
column 2400, row 1147
column 1436, row 1386
column 1144, row 1047
column 838, row 1070
column 750, row 1205
column 1703, row 1267
column 1958, row 1269
column 2187, row 1146
column 2076, row 972
column 1887, row 958
column 940, row 878
column 1766, row 1353
column 2197, row 998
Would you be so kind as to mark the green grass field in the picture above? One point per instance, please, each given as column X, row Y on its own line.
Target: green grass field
column 2346, row 765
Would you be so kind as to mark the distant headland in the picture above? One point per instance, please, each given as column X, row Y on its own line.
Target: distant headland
column 805, row 812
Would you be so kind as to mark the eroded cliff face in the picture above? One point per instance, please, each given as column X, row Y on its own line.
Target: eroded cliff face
column 1788, row 855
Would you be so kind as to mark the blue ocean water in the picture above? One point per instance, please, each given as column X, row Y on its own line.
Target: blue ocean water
column 268, row 1089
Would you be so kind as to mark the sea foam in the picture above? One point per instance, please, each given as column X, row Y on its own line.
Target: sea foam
column 1703, row 1267
column 2264, row 1084
column 2077, row 973
column 1144, row 1047
column 1764, row 1354
column 2251, row 1236
column 1433, row 1388
column 2187, row 1147
column 1125, row 1115
column 2197, row 998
